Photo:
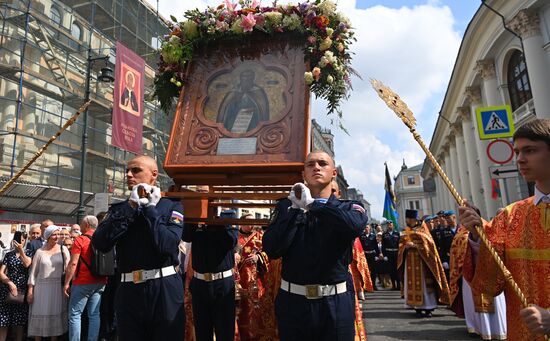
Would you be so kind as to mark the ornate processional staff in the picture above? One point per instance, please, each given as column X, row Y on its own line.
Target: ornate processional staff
column 67, row 124
column 405, row 114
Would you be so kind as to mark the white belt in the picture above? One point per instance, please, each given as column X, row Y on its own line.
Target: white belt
column 213, row 276
column 314, row 291
column 140, row 276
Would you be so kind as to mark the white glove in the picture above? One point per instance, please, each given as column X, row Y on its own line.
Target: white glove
column 294, row 200
column 153, row 195
column 304, row 194
column 386, row 259
column 445, row 265
column 134, row 196
column 306, row 199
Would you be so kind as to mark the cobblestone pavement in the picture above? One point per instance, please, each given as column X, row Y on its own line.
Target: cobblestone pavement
column 387, row 319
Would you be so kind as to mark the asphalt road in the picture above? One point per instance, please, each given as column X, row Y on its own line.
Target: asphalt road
column 387, row 319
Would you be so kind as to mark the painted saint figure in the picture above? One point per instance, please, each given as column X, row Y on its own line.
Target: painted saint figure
column 245, row 107
column 128, row 98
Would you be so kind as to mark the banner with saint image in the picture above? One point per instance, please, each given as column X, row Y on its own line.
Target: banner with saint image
column 128, row 100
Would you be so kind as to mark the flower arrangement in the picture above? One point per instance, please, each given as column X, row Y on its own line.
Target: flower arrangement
column 327, row 37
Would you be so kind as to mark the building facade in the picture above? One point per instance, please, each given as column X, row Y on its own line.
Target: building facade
column 410, row 194
column 499, row 63
column 46, row 49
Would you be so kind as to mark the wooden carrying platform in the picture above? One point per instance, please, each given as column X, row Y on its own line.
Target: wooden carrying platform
column 202, row 207
column 241, row 126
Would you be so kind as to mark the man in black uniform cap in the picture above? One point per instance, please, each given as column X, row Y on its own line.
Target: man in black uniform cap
column 390, row 240
column 314, row 232
column 146, row 231
column 447, row 236
column 213, row 284
column 437, row 230
column 368, row 242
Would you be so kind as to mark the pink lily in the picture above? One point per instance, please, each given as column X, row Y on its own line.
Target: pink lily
column 255, row 3
column 230, row 6
column 248, row 22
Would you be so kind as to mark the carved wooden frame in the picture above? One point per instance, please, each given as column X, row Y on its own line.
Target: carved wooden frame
column 282, row 142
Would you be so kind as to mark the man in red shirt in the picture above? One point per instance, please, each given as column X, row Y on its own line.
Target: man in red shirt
column 86, row 289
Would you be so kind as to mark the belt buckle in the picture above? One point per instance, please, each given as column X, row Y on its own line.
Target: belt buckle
column 208, row 277
column 137, row 276
column 312, row 292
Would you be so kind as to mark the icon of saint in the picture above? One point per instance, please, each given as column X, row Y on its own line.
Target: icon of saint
column 128, row 100
column 243, row 108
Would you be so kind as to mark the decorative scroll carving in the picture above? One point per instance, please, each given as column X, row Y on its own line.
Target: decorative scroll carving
column 203, row 141
column 274, row 138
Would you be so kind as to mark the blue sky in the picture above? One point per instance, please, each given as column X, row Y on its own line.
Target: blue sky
column 411, row 46
column 463, row 10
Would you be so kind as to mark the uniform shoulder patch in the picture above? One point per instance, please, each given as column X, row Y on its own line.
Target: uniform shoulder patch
column 358, row 207
column 176, row 218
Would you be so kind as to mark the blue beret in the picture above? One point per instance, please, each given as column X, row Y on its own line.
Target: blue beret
column 429, row 218
column 448, row 213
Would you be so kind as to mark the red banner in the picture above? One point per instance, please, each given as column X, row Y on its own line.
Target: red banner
column 128, row 100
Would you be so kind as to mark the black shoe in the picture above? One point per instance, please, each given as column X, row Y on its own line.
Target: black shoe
column 375, row 288
column 418, row 313
column 428, row 313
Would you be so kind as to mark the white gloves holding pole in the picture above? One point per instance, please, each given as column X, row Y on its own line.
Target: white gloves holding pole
column 145, row 195
column 300, row 196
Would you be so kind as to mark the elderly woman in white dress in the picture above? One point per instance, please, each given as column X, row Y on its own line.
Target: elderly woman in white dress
column 47, row 304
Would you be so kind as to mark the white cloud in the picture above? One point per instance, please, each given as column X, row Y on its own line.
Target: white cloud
column 410, row 49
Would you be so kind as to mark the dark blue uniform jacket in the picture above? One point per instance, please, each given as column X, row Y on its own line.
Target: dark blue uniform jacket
column 146, row 237
column 316, row 246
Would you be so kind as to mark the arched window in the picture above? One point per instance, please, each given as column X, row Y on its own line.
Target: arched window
column 519, row 88
column 55, row 15
column 76, row 31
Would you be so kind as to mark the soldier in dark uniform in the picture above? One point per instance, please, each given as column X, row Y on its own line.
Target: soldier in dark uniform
column 437, row 230
column 146, row 231
column 390, row 240
column 314, row 233
column 368, row 241
column 213, row 284
column 447, row 235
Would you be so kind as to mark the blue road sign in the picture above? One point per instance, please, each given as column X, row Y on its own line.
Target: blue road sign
column 495, row 122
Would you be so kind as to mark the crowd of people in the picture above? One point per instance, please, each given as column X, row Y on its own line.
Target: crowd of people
column 39, row 296
column 299, row 278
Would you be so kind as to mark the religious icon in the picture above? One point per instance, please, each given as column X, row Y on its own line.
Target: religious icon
column 130, row 91
column 245, row 96
column 245, row 106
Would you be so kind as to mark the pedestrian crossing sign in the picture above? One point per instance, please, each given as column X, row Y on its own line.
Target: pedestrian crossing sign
column 495, row 122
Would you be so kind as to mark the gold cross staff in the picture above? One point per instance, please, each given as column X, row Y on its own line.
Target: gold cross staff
column 405, row 114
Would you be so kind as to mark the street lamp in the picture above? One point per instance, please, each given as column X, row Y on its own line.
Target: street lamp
column 106, row 76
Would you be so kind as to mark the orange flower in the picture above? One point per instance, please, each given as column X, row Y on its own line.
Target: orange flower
column 176, row 31
column 249, row 10
column 321, row 21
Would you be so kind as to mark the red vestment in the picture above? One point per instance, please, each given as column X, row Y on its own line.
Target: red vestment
column 521, row 236
column 251, row 269
column 360, row 269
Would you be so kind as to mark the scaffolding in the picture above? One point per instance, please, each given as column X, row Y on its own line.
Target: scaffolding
column 44, row 48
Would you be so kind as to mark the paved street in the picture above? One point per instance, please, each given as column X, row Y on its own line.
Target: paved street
column 387, row 320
